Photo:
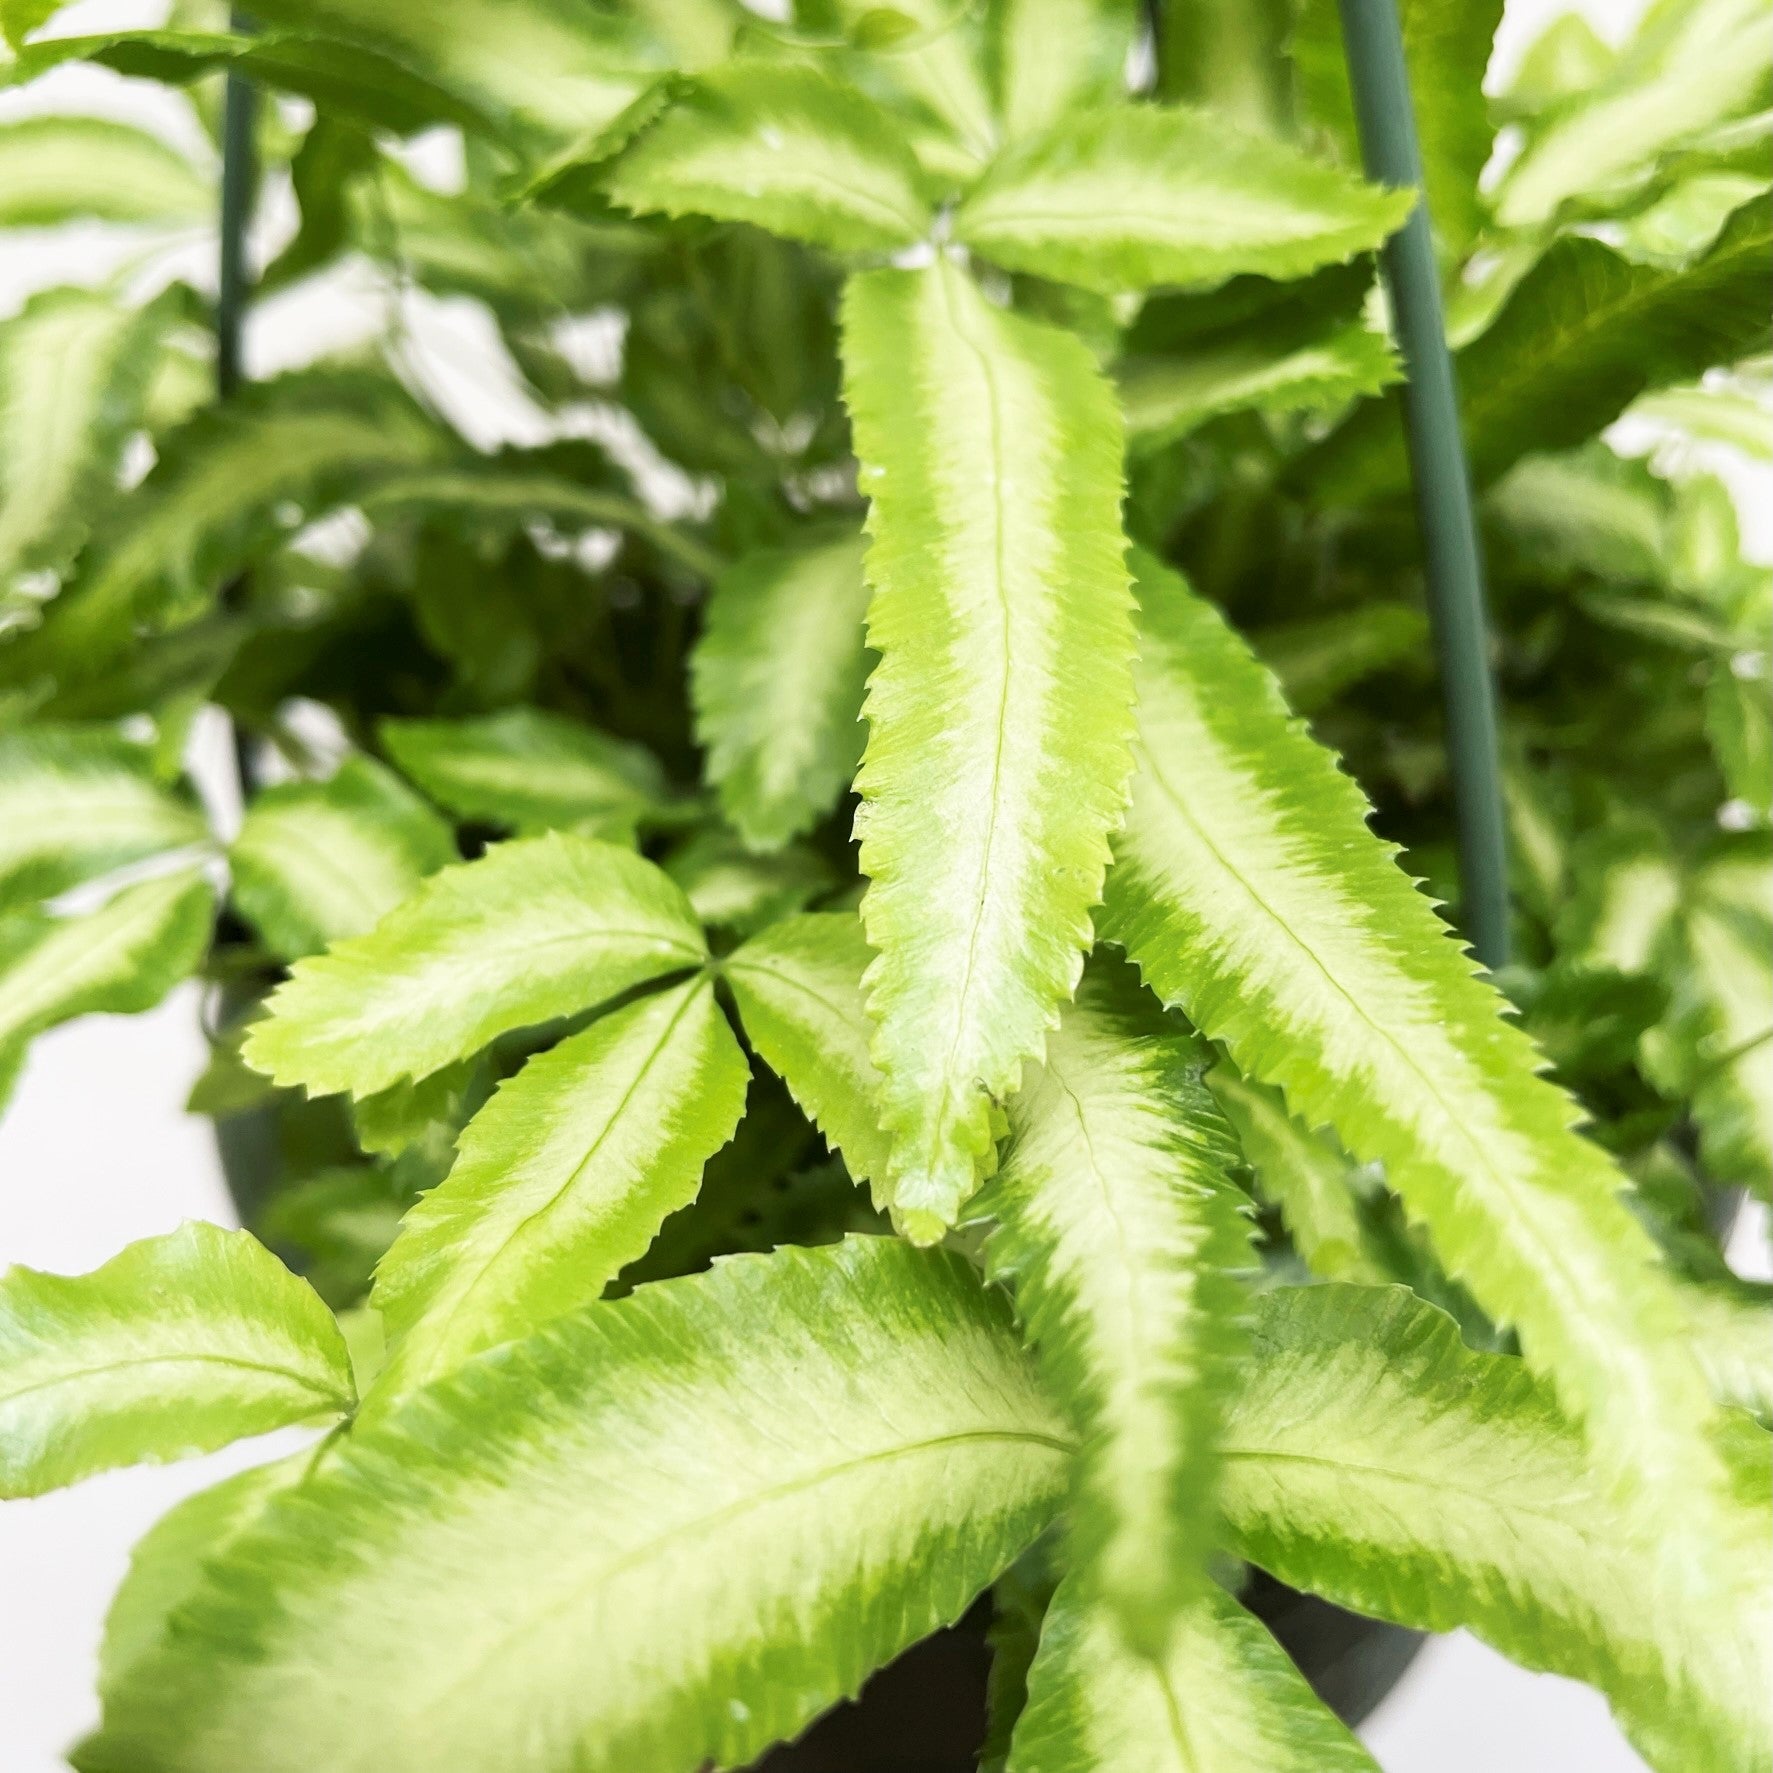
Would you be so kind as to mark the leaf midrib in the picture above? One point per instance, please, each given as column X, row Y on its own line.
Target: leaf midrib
column 78, row 1375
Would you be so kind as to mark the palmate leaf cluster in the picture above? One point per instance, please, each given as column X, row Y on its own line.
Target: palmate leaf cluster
column 813, row 1022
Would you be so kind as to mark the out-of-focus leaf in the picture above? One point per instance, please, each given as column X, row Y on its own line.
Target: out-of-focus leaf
column 528, row 771
column 121, row 958
column 778, row 676
column 60, row 168
column 76, row 802
column 318, row 861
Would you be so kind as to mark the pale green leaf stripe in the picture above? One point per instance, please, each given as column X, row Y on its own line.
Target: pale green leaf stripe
column 1122, row 1234
column 784, row 147
column 1692, row 68
column 1000, row 711
column 57, row 169
column 1140, row 195
column 1250, row 892
column 1225, row 1698
column 178, row 1345
column 798, row 986
column 316, row 862
column 561, row 1180
column 1166, row 398
column 73, row 367
column 123, row 957
column 777, row 679
column 534, row 930
column 733, row 889
column 663, row 1533
column 528, row 771
column 76, row 802
column 1374, row 1459
column 1301, row 1173
column 1051, row 56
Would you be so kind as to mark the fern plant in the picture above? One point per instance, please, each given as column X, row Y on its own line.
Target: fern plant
column 817, row 1029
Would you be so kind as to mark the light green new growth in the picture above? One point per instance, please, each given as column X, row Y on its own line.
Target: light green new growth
column 1224, row 1698
column 700, row 1516
column 784, row 147
column 777, row 678
column 526, row 771
column 76, row 802
column 1374, row 1459
column 1121, row 1234
column 1250, row 892
column 798, row 987
column 178, row 1345
column 123, row 957
column 316, row 862
column 1139, row 195
column 536, row 929
column 998, row 716
column 560, row 1181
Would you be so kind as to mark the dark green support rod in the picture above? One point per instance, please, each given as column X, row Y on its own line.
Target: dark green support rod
column 1381, row 85
column 239, row 109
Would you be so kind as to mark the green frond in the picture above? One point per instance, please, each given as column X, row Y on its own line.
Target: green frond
column 785, row 147
column 227, row 483
column 561, row 1181
column 1691, row 68
column 662, row 1533
column 777, row 679
column 316, row 862
column 178, row 1345
column 1134, row 196
column 1166, row 398
column 1374, row 1459
column 999, row 713
column 1583, row 334
column 85, row 357
column 1250, row 892
column 1122, row 1236
column 528, row 771
column 1048, row 57
column 1223, row 1698
column 536, row 929
column 123, row 957
column 76, row 802
column 798, row 987
column 63, row 168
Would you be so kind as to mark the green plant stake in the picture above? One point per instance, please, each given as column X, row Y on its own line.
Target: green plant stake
column 240, row 108
column 1387, row 120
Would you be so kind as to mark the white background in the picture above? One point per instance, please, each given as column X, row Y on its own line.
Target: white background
column 95, row 1150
